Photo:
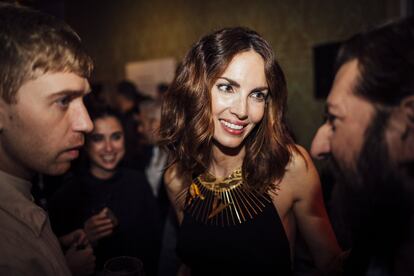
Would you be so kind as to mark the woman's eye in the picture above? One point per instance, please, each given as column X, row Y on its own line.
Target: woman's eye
column 259, row 95
column 225, row 88
column 96, row 138
column 116, row 136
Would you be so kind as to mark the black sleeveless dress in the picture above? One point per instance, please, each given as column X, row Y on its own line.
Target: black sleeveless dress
column 258, row 246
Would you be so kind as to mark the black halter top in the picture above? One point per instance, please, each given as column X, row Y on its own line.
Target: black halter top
column 251, row 241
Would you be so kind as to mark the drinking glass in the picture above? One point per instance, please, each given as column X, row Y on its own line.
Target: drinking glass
column 123, row 266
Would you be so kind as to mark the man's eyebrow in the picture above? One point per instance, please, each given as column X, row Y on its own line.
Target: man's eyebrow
column 329, row 106
column 69, row 92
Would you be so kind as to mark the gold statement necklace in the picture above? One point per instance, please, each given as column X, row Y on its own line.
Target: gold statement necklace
column 226, row 202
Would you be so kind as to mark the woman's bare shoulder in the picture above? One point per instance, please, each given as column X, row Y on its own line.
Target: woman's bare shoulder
column 174, row 182
column 301, row 174
column 300, row 162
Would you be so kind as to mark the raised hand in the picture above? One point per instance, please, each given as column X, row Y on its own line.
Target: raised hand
column 80, row 261
column 99, row 226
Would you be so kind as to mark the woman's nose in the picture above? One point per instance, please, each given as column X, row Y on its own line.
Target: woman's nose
column 239, row 107
column 108, row 146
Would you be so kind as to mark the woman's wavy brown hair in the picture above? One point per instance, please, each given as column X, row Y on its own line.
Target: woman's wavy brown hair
column 187, row 126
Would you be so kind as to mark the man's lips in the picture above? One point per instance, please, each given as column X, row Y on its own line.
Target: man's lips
column 73, row 152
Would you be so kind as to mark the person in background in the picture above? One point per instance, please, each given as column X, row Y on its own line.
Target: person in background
column 153, row 161
column 238, row 182
column 162, row 88
column 127, row 99
column 114, row 205
column 43, row 78
column 368, row 138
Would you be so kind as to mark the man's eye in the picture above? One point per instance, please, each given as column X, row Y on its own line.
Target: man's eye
column 225, row 88
column 64, row 101
column 330, row 119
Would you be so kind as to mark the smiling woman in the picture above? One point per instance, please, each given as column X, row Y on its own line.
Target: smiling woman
column 238, row 182
column 105, row 146
column 238, row 99
column 115, row 206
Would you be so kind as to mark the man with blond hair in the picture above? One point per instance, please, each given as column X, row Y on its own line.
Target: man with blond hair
column 43, row 71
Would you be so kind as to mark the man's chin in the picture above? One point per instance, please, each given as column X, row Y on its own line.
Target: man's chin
column 343, row 175
column 57, row 169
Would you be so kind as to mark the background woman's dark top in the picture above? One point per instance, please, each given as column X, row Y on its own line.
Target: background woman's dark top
column 129, row 196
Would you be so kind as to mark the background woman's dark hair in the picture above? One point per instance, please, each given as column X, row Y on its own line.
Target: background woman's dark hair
column 103, row 111
column 187, row 127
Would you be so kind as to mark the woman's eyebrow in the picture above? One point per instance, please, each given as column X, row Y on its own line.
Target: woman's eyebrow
column 232, row 82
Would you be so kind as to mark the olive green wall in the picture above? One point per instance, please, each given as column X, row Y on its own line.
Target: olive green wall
column 116, row 32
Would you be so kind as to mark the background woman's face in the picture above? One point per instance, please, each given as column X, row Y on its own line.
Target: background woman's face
column 106, row 146
column 239, row 99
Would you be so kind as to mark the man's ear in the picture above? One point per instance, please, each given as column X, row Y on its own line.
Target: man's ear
column 407, row 108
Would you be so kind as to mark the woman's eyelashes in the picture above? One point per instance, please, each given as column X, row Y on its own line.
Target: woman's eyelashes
column 117, row 136
column 96, row 137
column 259, row 96
column 224, row 87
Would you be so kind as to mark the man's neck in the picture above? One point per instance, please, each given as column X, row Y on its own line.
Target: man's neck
column 10, row 167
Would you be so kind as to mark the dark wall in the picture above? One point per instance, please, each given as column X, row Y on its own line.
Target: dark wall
column 116, row 32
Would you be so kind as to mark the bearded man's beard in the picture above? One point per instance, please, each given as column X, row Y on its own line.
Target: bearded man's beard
column 372, row 198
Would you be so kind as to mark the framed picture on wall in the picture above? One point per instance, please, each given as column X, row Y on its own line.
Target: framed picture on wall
column 148, row 74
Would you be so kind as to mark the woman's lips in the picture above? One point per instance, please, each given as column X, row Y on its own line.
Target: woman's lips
column 233, row 128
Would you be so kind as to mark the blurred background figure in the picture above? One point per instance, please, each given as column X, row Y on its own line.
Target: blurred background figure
column 115, row 206
column 127, row 99
column 162, row 88
column 152, row 160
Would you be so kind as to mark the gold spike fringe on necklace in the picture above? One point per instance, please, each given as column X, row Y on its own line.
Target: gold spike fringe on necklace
column 227, row 202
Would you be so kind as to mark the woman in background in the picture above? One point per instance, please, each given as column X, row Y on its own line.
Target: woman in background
column 114, row 205
column 239, row 183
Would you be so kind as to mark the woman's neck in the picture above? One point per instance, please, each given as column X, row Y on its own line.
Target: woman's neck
column 224, row 161
column 101, row 174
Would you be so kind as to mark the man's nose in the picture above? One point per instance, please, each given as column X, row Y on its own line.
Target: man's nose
column 82, row 122
column 321, row 144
